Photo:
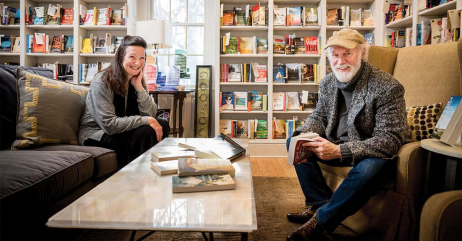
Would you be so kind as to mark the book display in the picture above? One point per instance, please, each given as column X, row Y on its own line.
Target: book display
column 54, row 31
column 10, row 32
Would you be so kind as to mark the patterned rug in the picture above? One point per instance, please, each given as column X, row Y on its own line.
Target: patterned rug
column 274, row 198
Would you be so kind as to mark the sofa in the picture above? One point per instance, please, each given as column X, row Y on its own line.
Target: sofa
column 430, row 74
column 40, row 180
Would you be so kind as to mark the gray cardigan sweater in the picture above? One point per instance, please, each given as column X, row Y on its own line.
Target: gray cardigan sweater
column 377, row 123
column 100, row 116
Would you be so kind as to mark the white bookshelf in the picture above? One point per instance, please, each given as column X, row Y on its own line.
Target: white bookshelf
column 75, row 58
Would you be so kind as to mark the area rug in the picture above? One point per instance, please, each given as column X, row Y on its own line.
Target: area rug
column 274, row 198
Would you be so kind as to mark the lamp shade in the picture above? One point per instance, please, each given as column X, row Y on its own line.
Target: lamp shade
column 155, row 32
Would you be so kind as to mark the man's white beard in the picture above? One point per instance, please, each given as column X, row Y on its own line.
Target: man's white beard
column 346, row 77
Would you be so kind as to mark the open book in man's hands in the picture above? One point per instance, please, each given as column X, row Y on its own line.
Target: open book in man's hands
column 297, row 152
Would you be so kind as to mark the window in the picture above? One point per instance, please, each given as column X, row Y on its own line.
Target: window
column 187, row 19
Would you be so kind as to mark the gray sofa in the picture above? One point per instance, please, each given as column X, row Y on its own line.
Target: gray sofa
column 35, row 183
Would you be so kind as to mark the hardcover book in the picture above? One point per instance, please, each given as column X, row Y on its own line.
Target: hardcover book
column 297, row 152
column 228, row 17
column 234, row 74
column 226, row 148
column 294, row 16
column 279, row 16
column 311, row 45
column 232, row 46
column 307, row 73
column 279, row 129
column 239, row 18
column 246, row 45
column 227, row 101
column 279, row 44
column 449, row 126
column 256, row 100
column 170, row 155
column 279, row 73
column 196, row 167
column 311, row 16
column 166, row 167
column 293, row 72
column 56, row 44
column 262, row 129
column 292, row 101
column 68, row 16
column 226, row 127
column 242, row 129
column 262, row 46
column 202, row 183
column 240, row 100
column 278, row 100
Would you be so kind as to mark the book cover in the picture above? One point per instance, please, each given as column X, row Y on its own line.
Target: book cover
column 116, row 18
column 196, row 167
column 292, row 101
column 279, row 44
column 202, row 183
column 311, row 16
column 226, row 127
column 262, row 77
column 278, row 73
column 170, row 155
column 39, row 15
column 246, row 46
column 279, row 16
column 242, row 129
column 368, row 20
column 56, row 44
column 69, row 48
column 294, row 16
column 278, row 100
column 232, row 46
column 234, row 74
column 240, row 100
column 332, row 17
column 227, row 101
column 166, row 167
column 89, row 17
column 68, row 16
column 355, row 19
column 227, row 148
column 239, row 18
column 262, row 129
column 447, row 116
column 299, row 44
column 307, row 73
column 311, row 45
column 255, row 15
column 297, row 152
column 312, row 100
column 16, row 45
column 256, row 100
column 279, row 129
column 293, row 72
column 102, row 16
column 228, row 17
column 369, row 38
column 262, row 46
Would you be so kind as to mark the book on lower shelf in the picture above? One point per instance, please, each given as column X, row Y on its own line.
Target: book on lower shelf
column 170, row 155
column 449, row 126
column 202, row 183
column 166, row 167
column 297, row 152
column 197, row 167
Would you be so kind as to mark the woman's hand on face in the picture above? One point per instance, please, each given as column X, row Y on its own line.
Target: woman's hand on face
column 136, row 81
column 156, row 126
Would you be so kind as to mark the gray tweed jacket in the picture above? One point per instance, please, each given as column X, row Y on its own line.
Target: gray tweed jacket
column 377, row 123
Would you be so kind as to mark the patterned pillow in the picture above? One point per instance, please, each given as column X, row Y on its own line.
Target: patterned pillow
column 49, row 111
column 422, row 120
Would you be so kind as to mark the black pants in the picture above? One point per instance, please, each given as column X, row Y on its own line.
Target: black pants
column 131, row 144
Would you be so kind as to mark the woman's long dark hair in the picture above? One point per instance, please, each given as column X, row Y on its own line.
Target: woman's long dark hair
column 115, row 76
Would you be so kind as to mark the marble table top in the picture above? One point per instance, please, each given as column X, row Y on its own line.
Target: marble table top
column 137, row 198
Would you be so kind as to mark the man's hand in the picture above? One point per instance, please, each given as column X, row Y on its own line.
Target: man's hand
column 324, row 149
column 156, row 126
column 136, row 81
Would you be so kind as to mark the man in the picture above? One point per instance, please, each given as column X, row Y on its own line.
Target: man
column 361, row 120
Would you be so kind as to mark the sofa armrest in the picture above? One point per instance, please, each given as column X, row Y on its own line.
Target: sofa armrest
column 441, row 217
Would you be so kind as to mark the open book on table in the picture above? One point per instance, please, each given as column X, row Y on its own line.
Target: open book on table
column 297, row 152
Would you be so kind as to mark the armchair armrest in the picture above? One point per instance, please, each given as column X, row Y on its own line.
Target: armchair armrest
column 440, row 218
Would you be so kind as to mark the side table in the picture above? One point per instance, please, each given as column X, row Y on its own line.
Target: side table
column 447, row 153
column 178, row 100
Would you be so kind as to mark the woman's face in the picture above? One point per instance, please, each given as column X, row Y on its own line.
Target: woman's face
column 133, row 60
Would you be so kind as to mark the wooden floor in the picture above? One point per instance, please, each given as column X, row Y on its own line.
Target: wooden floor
column 271, row 167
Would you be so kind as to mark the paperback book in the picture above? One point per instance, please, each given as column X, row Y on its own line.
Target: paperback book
column 297, row 152
column 166, row 167
column 202, row 183
column 170, row 155
column 197, row 167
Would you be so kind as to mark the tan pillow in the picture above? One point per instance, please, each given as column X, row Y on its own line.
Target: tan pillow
column 422, row 120
column 49, row 111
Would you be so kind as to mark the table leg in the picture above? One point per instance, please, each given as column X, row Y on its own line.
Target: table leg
column 427, row 175
column 156, row 99
column 211, row 236
column 450, row 177
column 132, row 238
column 244, row 236
column 175, row 104
column 180, row 113
column 205, row 236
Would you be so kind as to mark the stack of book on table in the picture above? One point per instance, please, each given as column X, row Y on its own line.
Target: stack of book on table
column 200, row 169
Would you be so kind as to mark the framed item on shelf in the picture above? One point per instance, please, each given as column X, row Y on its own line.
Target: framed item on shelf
column 202, row 125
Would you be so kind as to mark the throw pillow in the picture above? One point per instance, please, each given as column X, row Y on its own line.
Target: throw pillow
column 49, row 111
column 9, row 101
column 422, row 120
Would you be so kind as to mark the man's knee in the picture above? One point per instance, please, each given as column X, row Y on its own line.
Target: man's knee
column 372, row 167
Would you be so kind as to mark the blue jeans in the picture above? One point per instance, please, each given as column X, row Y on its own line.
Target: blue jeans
column 364, row 180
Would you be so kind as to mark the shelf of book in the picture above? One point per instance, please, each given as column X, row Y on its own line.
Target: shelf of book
column 296, row 55
column 61, row 27
column 9, row 54
column 245, row 1
column 244, row 55
column 298, row 84
column 298, row 2
column 244, row 28
column 9, row 26
column 50, row 55
column 439, row 10
column 295, row 28
column 52, row 1
column 105, row 1
column 359, row 28
column 292, row 112
column 97, row 55
column 243, row 112
column 405, row 22
column 104, row 27
column 267, row 141
column 242, row 83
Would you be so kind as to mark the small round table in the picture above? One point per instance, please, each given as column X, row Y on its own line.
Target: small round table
column 452, row 156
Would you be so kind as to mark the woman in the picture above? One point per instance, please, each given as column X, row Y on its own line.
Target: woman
column 119, row 113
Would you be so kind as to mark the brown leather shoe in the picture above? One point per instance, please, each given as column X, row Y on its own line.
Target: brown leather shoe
column 307, row 231
column 301, row 217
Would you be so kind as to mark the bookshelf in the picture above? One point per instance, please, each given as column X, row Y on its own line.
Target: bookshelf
column 32, row 59
column 271, row 59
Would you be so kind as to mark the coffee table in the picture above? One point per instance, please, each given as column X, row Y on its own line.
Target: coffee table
column 137, row 198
